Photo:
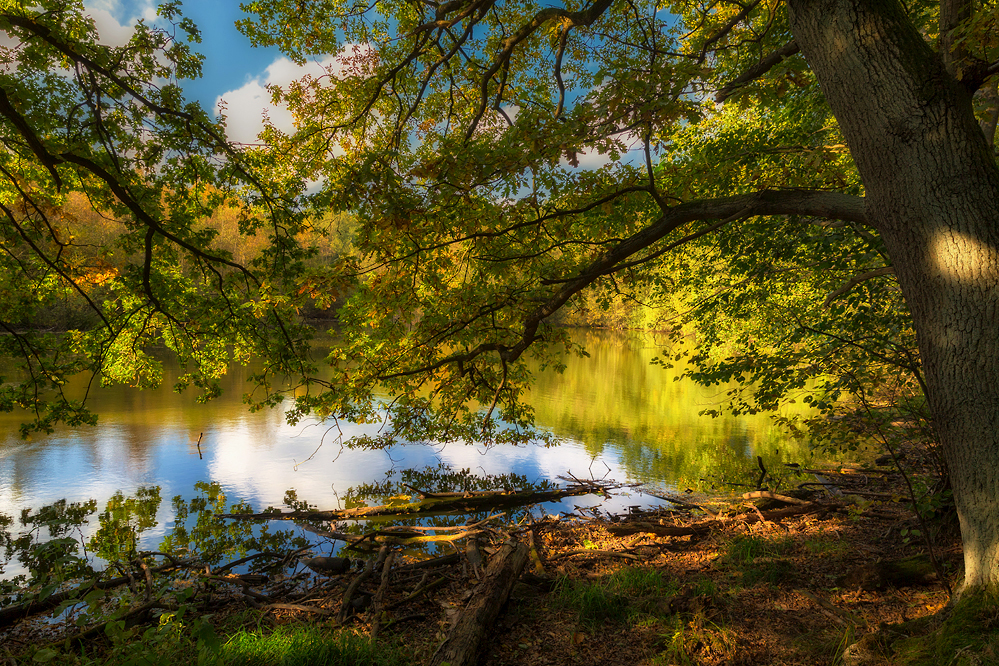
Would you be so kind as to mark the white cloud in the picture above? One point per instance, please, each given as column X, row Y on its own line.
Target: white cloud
column 115, row 19
column 246, row 107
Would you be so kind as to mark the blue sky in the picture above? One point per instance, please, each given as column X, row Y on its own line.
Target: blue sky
column 233, row 69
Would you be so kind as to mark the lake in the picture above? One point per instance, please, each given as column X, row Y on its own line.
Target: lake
column 618, row 417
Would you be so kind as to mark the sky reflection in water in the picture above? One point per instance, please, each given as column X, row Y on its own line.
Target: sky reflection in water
column 620, row 418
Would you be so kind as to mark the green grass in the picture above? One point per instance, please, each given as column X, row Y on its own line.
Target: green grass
column 297, row 644
column 305, row 645
column 758, row 559
column 747, row 549
column 826, row 546
column 624, row 595
column 772, row 573
column 642, row 598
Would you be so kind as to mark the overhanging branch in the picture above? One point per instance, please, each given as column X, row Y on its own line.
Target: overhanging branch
column 830, row 205
column 757, row 70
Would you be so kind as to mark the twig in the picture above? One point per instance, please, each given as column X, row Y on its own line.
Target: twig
column 297, row 607
column 763, row 472
column 595, row 553
column 837, row 614
column 423, row 589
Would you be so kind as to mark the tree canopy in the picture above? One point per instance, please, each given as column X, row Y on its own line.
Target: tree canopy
column 108, row 177
column 820, row 168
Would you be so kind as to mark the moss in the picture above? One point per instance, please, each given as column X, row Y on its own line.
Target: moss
column 966, row 635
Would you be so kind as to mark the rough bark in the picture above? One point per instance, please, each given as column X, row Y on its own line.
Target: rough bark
column 933, row 192
column 462, row 645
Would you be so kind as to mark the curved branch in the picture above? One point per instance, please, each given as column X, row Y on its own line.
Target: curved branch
column 585, row 17
column 855, row 280
column 757, row 70
column 727, row 28
column 833, row 205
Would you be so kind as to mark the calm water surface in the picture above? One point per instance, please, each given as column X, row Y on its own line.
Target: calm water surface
column 619, row 418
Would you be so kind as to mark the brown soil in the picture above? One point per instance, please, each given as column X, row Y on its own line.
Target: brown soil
column 817, row 586
column 788, row 592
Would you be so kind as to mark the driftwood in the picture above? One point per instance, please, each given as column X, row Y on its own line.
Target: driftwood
column 453, row 558
column 377, row 602
column 462, row 645
column 596, row 553
column 626, row 529
column 420, row 590
column 369, row 569
column 539, row 567
column 297, row 607
column 434, row 505
column 766, row 494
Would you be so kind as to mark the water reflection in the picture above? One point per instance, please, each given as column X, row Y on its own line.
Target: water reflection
column 618, row 415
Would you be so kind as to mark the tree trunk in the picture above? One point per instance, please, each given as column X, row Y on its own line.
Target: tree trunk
column 932, row 190
column 461, row 648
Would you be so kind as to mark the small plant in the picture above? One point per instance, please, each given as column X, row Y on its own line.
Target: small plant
column 695, row 639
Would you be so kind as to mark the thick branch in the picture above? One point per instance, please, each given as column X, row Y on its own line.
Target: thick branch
column 757, row 70
column 768, row 202
column 832, row 205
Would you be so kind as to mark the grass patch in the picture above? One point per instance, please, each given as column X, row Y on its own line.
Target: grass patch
column 758, row 559
column 623, row 595
column 826, row 546
column 774, row 573
column 306, row 645
column 744, row 550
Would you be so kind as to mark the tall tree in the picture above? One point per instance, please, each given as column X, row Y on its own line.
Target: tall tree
column 456, row 130
column 503, row 157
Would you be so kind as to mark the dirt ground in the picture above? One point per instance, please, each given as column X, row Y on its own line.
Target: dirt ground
column 793, row 591
column 813, row 587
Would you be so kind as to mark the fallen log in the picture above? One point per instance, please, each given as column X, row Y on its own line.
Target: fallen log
column 766, row 494
column 626, row 529
column 461, row 647
column 433, row 562
column 428, row 506
column 590, row 552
